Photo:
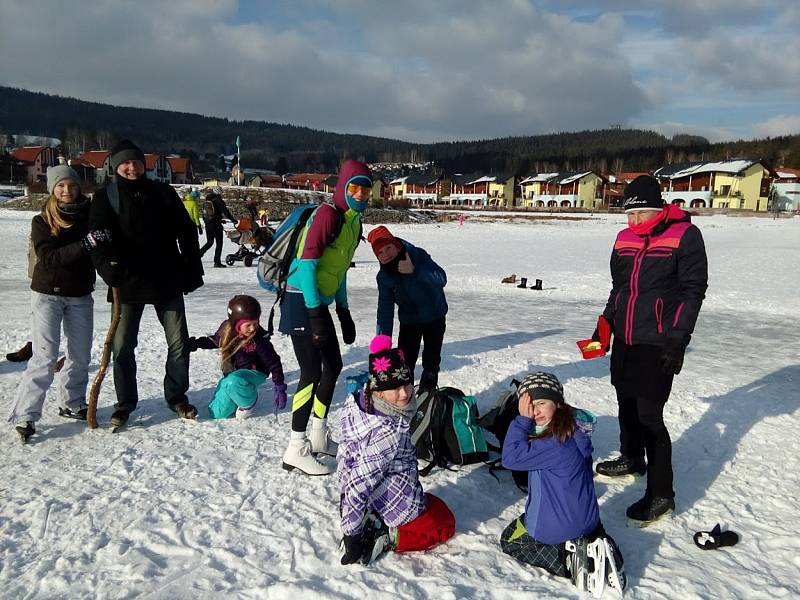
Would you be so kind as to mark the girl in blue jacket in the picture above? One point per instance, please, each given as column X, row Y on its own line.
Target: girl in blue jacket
column 551, row 440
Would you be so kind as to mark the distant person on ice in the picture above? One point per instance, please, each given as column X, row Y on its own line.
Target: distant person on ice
column 383, row 506
column 318, row 277
column 248, row 359
column 153, row 258
column 62, row 285
column 409, row 278
column 190, row 204
column 659, row 274
column 552, row 441
column 214, row 213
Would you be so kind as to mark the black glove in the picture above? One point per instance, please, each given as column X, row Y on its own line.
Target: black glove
column 191, row 344
column 353, row 549
column 672, row 355
column 348, row 327
column 321, row 325
column 94, row 238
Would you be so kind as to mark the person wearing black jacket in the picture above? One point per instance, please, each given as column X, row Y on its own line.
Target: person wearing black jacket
column 659, row 272
column 153, row 259
column 219, row 210
column 62, row 285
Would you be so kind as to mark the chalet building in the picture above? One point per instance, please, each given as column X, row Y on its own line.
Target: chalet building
column 83, row 168
column 739, row 183
column 12, row 170
column 36, row 160
column 157, row 168
column 786, row 188
column 100, row 160
column 420, row 188
column 614, row 188
column 181, row 170
column 483, row 190
column 502, row 191
column 574, row 190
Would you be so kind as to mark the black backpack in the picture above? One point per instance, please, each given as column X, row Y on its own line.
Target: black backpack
column 445, row 429
column 496, row 421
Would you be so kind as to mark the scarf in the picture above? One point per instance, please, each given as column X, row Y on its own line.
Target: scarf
column 380, row 406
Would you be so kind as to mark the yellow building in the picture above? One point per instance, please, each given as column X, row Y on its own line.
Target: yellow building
column 568, row 190
column 501, row 191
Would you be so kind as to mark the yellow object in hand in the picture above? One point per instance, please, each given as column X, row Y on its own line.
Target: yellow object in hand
column 593, row 346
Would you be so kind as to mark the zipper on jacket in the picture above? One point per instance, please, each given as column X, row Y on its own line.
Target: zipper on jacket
column 634, row 285
column 659, row 314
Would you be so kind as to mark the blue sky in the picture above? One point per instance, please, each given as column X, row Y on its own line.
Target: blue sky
column 420, row 70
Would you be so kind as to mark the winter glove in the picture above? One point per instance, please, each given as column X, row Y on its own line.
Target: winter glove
column 348, row 327
column 191, row 344
column 353, row 549
column 94, row 238
column 672, row 355
column 602, row 333
column 321, row 325
column 279, row 396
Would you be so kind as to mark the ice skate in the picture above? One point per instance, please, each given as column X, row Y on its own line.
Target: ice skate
column 321, row 442
column 298, row 455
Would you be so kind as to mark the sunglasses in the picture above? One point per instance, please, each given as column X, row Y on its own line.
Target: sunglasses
column 355, row 188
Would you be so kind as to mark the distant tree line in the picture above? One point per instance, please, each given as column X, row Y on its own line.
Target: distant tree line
column 85, row 125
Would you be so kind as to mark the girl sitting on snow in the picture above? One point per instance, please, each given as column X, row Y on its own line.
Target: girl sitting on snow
column 383, row 506
column 551, row 440
column 247, row 357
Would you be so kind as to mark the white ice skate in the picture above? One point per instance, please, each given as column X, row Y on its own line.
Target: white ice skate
column 321, row 442
column 298, row 456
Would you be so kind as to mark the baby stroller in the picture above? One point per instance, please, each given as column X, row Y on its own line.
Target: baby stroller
column 253, row 241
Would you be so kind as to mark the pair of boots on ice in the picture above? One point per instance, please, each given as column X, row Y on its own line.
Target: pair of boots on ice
column 523, row 282
column 304, row 450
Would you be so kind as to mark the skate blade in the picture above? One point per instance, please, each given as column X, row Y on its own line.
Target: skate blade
column 644, row 524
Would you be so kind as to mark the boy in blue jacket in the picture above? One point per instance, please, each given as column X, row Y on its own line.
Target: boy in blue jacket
column 409, row 278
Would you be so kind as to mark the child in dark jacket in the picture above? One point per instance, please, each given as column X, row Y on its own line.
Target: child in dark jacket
column 383, row 505
column 409, row 278
column 551, row 440
column 248, row 358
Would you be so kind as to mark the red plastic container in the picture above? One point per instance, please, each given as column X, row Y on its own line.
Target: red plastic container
column 587, row 352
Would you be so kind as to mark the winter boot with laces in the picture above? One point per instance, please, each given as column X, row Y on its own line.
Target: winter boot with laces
column 25, row 430
column 649, row 509
column 321, row 442
column 620, row 466
column 298, row 455
column 78, row 414
column 185, row 411
column 119, row 417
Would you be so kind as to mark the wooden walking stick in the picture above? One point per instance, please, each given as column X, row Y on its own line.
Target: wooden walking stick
column 91, row 413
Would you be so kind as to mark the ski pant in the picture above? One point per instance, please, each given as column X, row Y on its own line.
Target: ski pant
column 213, row 236
column 434, row 526
column 49, row 312
column 518, row 543
column 319, row 370
column 238, row 389
column 172, row 316
column 432, row 335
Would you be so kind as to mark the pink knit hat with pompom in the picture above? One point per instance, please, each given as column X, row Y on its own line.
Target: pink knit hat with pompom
column 387, row 365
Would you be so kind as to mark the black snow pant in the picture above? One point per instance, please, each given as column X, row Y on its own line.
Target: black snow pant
column 431, row 334
column 213, row 235
column 319, row 370
column 642, row 392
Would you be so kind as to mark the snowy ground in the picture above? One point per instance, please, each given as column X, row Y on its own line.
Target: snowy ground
column 171, row 509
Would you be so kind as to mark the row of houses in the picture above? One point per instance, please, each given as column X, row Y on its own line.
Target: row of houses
column 31, row 164
column 738, row 184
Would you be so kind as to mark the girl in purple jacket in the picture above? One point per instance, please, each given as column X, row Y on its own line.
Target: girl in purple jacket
column 383, row 506
column 247, row 357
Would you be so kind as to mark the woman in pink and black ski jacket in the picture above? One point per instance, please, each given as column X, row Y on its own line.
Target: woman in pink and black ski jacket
column 659, row 274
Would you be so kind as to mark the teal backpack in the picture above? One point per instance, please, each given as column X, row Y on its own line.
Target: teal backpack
column 445, row 429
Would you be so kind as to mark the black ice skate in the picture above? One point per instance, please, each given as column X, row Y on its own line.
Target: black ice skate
column 376, row 539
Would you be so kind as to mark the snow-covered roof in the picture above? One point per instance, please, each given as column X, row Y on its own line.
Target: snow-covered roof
column 540, row 177
column 720, row 166
column 570, row 177
column 398, row 180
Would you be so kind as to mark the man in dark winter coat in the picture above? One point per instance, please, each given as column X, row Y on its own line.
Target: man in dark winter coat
column 213, row 218
column 659, row 274
column 153, row 259
column 409, row 278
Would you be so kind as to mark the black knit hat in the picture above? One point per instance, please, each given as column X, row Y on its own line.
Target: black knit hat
column 643, row 193
column 387, row 365
column 125, row 150
column 542, row 386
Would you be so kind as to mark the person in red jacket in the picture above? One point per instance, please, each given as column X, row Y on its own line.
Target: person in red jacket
column 659, row 274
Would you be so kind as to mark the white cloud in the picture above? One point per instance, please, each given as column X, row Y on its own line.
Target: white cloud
column 778, row 126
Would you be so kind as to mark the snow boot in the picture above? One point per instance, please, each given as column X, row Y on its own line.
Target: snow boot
column 537, row 285
column 321, row 442
column 25, row 431
column 22, row 355
column 298, row 456
column 649, row 509
column 119, row 417
column 219, row 266
column 376, row 538
column 523, row 282
column 621, row 466
column 68, row 413
column 185, row 411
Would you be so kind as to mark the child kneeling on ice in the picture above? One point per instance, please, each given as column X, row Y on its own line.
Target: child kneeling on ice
column 551, row 440
column 383, row 506
column 247, row 357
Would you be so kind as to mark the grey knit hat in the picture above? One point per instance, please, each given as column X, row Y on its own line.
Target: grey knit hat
column 59, row 173
column 542, row 386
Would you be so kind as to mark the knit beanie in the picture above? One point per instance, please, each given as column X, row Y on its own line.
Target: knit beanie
column 380, row 237
column 542, row 386
column 643, row 193
column 59, row 173
column 387, row 365
column 123, row 151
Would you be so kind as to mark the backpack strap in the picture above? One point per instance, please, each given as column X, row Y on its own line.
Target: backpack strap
column 112, row 189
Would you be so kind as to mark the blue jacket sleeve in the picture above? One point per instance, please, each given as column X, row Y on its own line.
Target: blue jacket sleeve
column 523, row 454
column 427, row 271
